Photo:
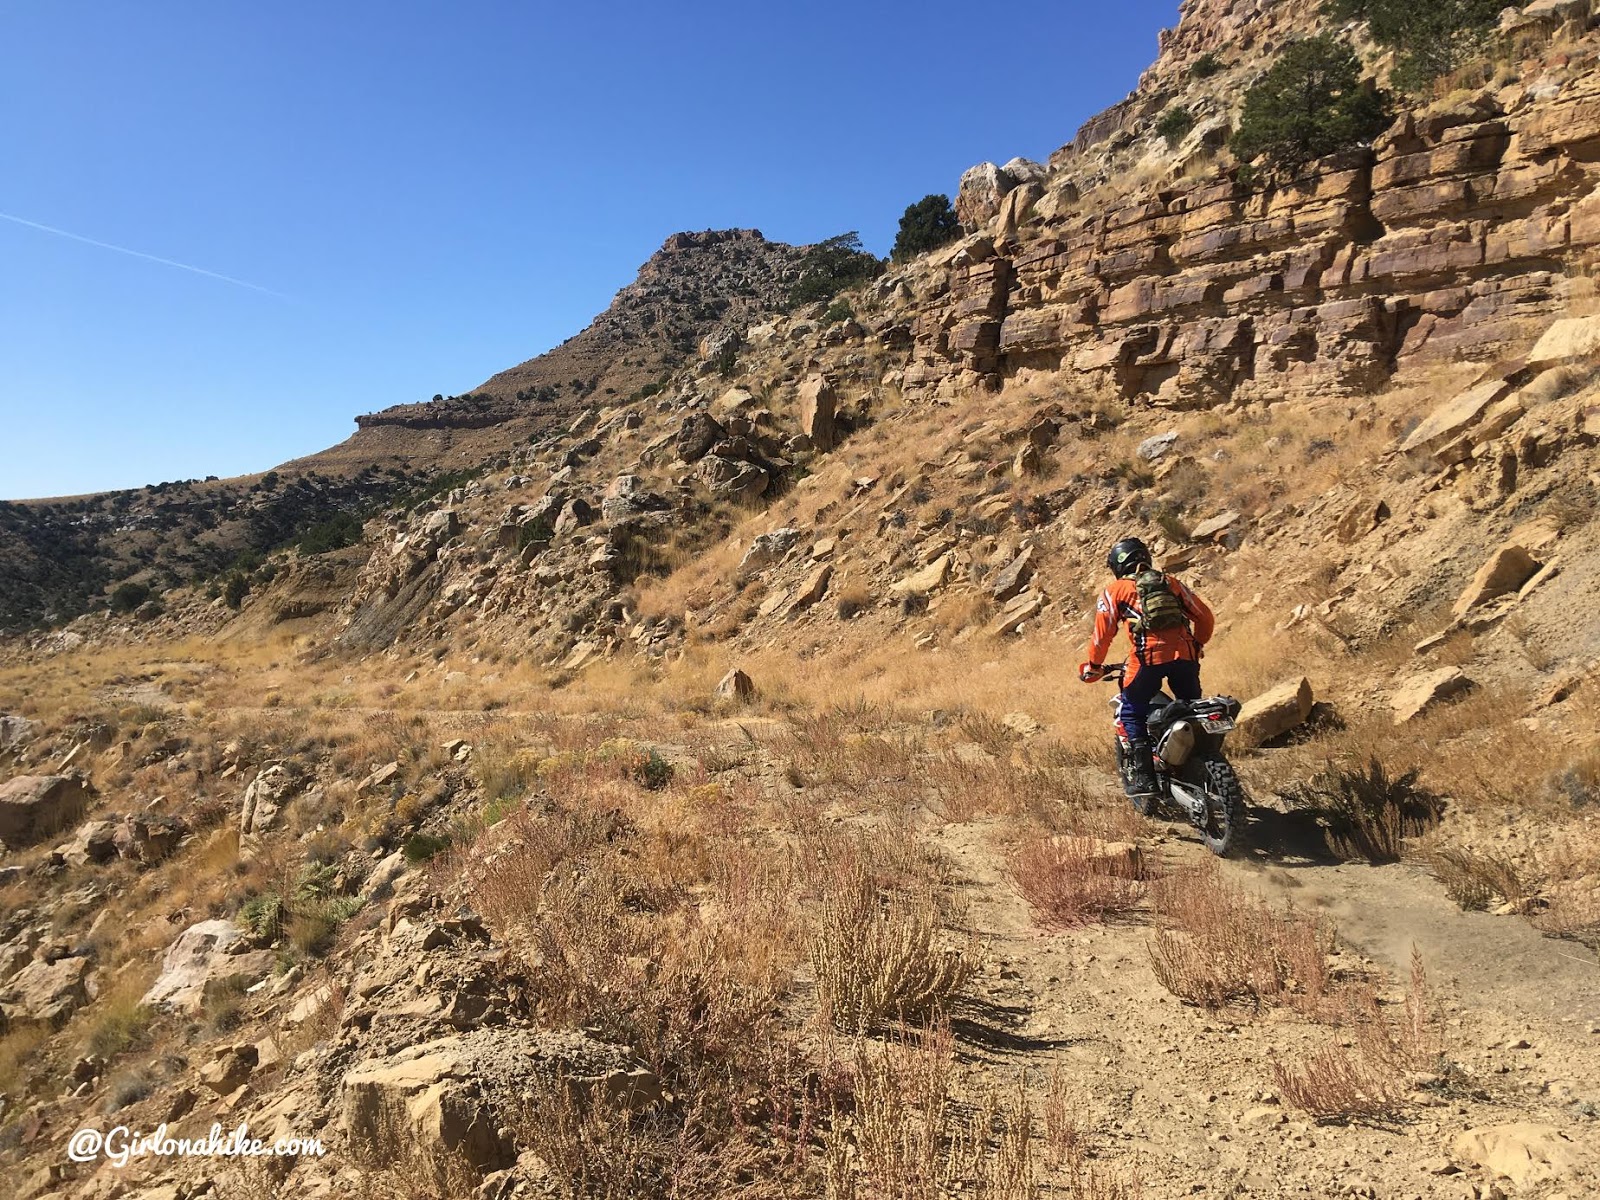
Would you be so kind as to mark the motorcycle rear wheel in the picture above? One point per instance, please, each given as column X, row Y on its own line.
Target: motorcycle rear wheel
column 1224, row 807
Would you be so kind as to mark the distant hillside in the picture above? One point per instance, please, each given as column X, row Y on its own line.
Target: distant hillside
column 699, row 291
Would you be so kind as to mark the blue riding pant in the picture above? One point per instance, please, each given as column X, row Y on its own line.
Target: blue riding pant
column 1139, row 691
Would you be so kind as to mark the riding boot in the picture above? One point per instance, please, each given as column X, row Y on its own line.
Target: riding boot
column 1141, row 769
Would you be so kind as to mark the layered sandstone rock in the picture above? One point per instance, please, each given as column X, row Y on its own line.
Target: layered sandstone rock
column 1456, row 236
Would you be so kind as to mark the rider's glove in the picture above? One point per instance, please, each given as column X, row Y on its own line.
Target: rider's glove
column 1090, row 672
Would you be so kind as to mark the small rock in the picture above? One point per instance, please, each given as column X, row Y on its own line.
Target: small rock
column 736, row 685
column 1212, row 529
column 1523, row 1152
column 1022, row 724
column 1152, row 448
column 1426, row 691
column 1274, row 713
column 930, row 579
column 1507, row 570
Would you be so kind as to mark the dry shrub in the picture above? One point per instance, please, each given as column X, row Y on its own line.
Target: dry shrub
column 1365, row 1076
column 1477, row 879
column 605, row 1152
column 903, row 1134
column 1576, row 917
column 883, row 954
column 896, row 1138
column 1215, row 944
column 121, row 1020
column 1368, row 812
column 1073, row 880
column 1337, row 1083
column 1578, row 782
column 22, row 1051
column 988, row 731
column 611, row 938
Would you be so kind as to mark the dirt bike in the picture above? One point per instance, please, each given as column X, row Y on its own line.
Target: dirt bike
column 1190, row 768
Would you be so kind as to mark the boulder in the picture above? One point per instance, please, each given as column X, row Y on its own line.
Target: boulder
column 49, row 992
column 698, row 433
column 1507, row 569
column 16, row 731
column 732, row 479
column 1452, row 419
column 203, row 954
column 816, row 400
column 1361, row 518
column 734, row 400
column 92, row 842
column 626, row 496
column 980, row 192
column 1274, row 713
column 34, row 807
column 1523, row 1152
column 736, row 685
column 1567, row 339
column 456, row 1095
column 1027, row 461
column 1214, row 528
column 443, row 525
column 1154, row 448
column 767, row 549
column 272, row 787
column 813, row 589
column 574, row 514
column 230, row 1069
column 1415, row 698
column 929, row 579
column 381, row 777
column 1013, row 577
column 1021, row 171
column 150, row 837
column 381, row 882
column 1018, row 613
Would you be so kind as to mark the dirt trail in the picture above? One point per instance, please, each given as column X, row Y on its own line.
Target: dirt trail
column 1493, row 963
column 1190, row 1095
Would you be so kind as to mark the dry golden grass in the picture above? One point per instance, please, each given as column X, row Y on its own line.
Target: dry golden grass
column 1477, row 879
column 1216, row 944
column 1369, row 814
column 119, row 1021
column 1072, row 880
column 1365, row 1076
column 883, row 954
column 22, row 1057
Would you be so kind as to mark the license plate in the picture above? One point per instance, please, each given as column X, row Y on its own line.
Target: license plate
column 1218, row 725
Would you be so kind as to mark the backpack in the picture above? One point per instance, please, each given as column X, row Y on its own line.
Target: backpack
column 1159, row 605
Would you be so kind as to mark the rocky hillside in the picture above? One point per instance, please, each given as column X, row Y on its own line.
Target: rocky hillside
column 698, row 293
column 694, row 296
column 62, row 557
column 695, row 797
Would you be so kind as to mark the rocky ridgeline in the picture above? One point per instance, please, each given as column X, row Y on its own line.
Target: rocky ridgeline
column 1465, row 227
column 699, row 289
column 546, row 549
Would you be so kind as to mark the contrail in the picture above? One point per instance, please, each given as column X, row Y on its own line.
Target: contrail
column 166, row 262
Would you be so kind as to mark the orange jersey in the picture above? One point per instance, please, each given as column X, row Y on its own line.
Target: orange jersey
column 1120, row 602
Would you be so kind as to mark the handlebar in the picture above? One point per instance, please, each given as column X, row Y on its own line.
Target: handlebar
column 1113, row 671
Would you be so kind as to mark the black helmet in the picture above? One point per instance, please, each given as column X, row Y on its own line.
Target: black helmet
column 1127, row 556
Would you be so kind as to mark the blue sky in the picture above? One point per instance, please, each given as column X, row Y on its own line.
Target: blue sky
column 430, row 192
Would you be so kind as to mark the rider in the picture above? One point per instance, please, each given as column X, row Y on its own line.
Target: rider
column 1168, row 626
